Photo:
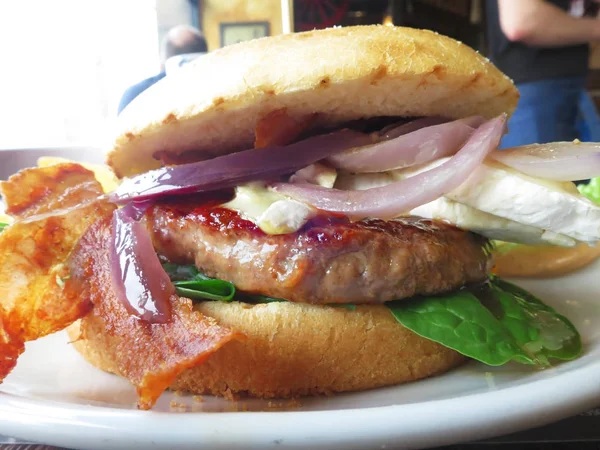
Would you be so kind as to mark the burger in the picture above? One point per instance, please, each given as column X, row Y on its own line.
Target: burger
column 299, row 215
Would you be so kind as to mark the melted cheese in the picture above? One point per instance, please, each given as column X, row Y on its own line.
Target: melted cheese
column 273, row 213
column 495, row 201
column 501, row 203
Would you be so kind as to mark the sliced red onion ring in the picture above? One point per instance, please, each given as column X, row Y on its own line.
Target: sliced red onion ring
column 237, row 168
column 140, row 281
column 413, row 148
column 560, row 161
column 399, row 197
column 396, row 130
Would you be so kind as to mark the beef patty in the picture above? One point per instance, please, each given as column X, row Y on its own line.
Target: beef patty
column 330, row 260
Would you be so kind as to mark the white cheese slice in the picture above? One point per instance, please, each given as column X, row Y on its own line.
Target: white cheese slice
column 495, row 201
column 273, row 213
column 252, row 200
column 544, row 204
column 488, row 225
column 285, row 216
column 503, row 204
column 548, row 205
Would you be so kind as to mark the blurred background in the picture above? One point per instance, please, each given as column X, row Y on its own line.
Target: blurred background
column 67, row 63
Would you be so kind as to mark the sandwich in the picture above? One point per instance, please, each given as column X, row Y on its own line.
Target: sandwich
column 298, row 215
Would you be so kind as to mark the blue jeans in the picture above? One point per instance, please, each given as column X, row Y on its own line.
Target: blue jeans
column 548, row 111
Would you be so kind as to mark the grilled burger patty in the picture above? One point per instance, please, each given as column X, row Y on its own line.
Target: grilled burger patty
column 330, row 260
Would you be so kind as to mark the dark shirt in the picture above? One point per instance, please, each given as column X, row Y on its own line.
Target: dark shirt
column 137, row 89
column 523, row 63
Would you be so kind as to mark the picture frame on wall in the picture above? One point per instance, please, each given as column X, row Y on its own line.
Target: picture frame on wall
column 234, row 32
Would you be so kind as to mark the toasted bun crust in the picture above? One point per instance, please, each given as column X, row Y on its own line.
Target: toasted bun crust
column 297, row 349
column 543, row 261
column 212, row 106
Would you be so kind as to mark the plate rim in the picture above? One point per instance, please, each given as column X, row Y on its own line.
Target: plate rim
column 405, row 426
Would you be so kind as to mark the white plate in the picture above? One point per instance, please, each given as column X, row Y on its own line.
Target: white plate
column 54, row 397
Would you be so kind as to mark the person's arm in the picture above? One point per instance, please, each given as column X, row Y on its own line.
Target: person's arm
column 541, row 24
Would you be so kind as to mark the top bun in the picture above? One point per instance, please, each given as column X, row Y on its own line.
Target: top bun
column 341, row 74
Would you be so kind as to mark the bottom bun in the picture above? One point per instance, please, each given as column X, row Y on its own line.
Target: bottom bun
column 543, row 261
column 297, row 350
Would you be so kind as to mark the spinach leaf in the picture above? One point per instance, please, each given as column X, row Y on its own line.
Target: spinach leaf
column 206, row 290
column 507, row 324
column 190, row 283
column 348, row 306
column 2, row 226
column 550, row 335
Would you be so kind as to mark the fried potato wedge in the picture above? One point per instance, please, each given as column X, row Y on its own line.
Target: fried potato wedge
column 55, row 269
column 52, row 208
column 105, row 176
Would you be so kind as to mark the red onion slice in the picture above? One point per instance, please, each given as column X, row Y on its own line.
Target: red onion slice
column 560, row 161
column 402, row 196
column 396, row 130
column 236, row 168
column 139, row 279
column 408, row 149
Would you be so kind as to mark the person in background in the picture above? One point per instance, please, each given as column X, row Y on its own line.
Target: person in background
column 180, row 40
column 544, row 47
